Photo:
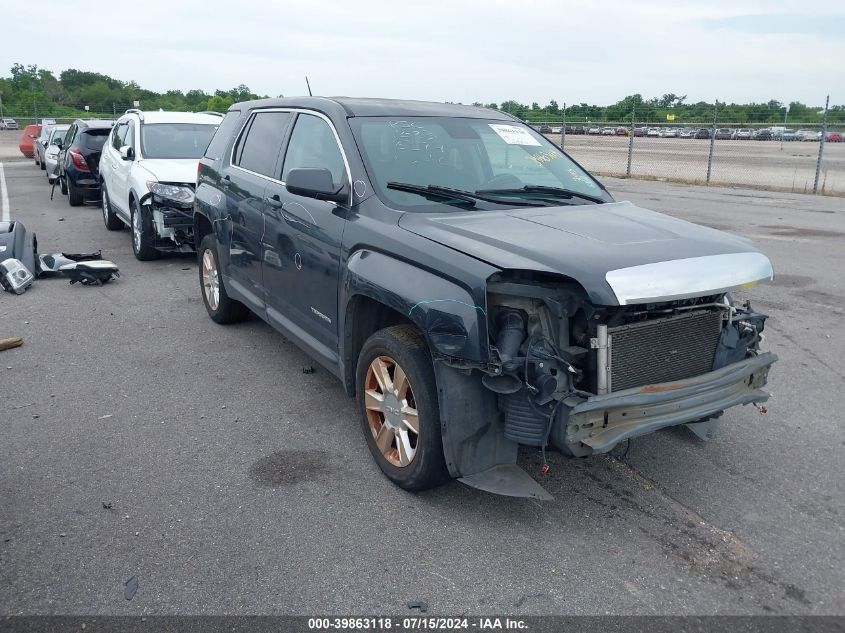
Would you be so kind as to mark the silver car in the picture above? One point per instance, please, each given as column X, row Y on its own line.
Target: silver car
column 39, row 145
column 51, row 152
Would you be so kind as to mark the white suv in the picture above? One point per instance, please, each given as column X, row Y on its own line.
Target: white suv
column 148, row 172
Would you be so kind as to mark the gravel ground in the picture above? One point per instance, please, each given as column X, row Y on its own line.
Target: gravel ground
column 141, row 439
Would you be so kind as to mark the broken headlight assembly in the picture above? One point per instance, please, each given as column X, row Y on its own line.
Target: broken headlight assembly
column 178, row 194
column 14, row 276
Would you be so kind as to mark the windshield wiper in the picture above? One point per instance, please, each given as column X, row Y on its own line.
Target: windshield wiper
column 556, row 192
column 443, row 193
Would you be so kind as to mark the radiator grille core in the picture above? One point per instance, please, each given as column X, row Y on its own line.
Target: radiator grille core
column 663, row 350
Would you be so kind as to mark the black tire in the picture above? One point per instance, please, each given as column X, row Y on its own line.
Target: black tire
column 63, row 185
column 405, row 345
column 142, row 235
column 227, row 310
column 42, row 165
column 74, row 196
column 112, row 222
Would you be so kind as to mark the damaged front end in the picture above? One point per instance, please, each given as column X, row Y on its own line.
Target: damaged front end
column 582, row 378
column 171, row 208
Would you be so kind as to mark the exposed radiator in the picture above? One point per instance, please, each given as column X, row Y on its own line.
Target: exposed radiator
column 662, row 350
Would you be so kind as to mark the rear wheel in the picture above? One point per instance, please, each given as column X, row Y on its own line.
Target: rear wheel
column 400, row 417
column 74, row 196
column 220, row 307
column 142, row 230
column 111, row 221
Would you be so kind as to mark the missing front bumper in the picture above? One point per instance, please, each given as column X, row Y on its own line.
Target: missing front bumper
column 603, row 421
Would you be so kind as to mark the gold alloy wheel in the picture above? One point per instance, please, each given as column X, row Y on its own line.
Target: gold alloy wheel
column 391, row 411
column 210, row 280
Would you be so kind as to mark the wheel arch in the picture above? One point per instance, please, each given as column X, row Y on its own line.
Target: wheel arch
column 384, row 291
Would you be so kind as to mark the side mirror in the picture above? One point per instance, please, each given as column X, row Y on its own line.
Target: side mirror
column 127, row 153
column 315, row 182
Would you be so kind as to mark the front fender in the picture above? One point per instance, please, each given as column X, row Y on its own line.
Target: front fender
column 446, row 313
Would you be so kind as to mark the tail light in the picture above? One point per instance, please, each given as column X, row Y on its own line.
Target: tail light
column 78, row 160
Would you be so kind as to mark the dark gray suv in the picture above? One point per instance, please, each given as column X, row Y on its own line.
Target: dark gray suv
column 471, row 284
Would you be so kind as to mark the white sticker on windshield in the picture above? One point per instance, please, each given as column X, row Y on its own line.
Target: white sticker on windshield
column 513, row 134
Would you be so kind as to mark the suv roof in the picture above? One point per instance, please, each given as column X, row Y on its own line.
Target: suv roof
column 158, row 116
column 94, row 123
column 353, row 106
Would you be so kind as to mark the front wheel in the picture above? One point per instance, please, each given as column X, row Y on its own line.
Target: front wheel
column 220, row 307
column 400, row 417
column 142, row 233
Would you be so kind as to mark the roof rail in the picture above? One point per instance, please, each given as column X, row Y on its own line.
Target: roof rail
column 212, row 112
column 135, row 111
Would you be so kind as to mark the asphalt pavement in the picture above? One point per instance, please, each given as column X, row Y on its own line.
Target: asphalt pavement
column 140, row 439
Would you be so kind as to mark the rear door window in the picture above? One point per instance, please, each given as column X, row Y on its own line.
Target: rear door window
column 260, row 142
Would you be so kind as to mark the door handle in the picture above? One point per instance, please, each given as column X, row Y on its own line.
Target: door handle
column 273, row 201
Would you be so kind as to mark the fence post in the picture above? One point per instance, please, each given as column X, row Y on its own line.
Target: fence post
column 821, row 146
column 712, row 141
column 630, row 145
column 563, row 127
column 113, row 111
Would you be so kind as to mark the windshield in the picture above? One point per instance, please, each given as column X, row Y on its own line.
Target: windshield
column 470, row 155
column 175, row 140
column 58, row 133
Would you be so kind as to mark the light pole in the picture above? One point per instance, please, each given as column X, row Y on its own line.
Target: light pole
column 1, row 105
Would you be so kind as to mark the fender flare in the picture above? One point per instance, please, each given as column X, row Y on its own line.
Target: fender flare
column 450, row 318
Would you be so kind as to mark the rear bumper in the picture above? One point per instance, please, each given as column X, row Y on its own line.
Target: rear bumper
column 603, row 421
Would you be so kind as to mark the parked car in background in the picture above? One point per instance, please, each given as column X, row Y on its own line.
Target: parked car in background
column 545, row 129
column 40, row 144
column 786, row 135
column 148, row 172
column 446, row 290
column 51, row 152
column 653, row 132
column 556, row 129
column 834, row 137
column 79, row 159
column 621, row 130
column 762, row 135
column 27, row 144
column 724, row 134
column 686, row 132
column 702, row 132
column 594, row 130
column 742, row 134
column 808, row 135
column 669, row 132
column 640, row 131
column 8, row 124
column 608, row 131
column 575, row 129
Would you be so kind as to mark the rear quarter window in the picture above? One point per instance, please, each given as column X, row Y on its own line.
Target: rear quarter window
column 221, row 137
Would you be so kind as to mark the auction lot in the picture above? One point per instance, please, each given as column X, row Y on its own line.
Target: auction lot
column 141, row 439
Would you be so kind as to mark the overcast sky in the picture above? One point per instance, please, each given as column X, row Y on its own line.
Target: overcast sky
column 452, row 50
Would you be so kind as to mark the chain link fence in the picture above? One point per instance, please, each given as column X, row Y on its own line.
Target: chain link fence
column 801, row 158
